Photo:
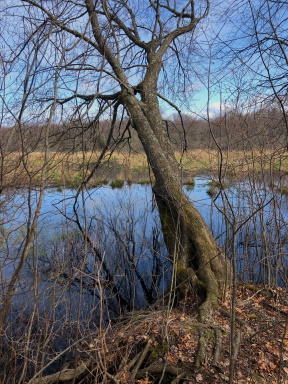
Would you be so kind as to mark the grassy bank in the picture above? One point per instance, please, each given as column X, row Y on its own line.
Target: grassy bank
column 69, row 169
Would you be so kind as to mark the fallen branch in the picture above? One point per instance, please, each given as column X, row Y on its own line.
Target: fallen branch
column 140, row 361
column 65, row 374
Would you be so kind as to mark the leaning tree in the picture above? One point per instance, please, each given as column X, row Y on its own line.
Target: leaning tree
column 113, row 54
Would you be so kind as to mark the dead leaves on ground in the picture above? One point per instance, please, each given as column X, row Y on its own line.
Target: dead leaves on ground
column 173, row 338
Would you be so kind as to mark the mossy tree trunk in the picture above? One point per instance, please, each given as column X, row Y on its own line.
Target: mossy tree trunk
column 190, row 244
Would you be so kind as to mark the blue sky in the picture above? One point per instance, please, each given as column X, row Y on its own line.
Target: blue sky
column 207, row 61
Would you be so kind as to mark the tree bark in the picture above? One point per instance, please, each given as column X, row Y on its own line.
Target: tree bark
column 190, row 244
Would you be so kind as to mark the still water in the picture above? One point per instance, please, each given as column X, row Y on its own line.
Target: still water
column 104, row 252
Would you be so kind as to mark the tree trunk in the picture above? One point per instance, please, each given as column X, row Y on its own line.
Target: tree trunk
column 191, row 246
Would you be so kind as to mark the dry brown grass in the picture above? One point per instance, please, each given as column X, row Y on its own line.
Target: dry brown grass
column 69, row 169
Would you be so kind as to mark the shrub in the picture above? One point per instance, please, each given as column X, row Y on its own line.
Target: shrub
column 117, row 183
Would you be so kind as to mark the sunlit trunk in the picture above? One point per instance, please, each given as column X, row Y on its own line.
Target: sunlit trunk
column 190, row 244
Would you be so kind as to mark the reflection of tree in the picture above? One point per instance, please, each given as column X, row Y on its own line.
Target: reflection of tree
column 126, row 259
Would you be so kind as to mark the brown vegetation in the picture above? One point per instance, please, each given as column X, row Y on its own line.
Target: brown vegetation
column 69, row 169
column 161, row 344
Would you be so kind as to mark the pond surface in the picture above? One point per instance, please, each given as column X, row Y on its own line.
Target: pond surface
column 104, row 252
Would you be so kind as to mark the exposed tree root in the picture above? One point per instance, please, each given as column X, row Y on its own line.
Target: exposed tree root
column 175, row 347
column 202, row 345
column 145, row 357
column 217, row 347
column 228, row 314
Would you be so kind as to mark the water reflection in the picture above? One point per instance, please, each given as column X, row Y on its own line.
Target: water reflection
column 104, row 253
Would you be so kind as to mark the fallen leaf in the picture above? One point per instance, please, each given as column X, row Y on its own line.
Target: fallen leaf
column 224, row 377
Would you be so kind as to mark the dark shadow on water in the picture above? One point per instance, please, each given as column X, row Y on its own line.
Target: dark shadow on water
column 71, row 284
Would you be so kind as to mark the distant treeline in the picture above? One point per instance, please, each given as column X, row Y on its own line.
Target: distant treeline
column 264, row 128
